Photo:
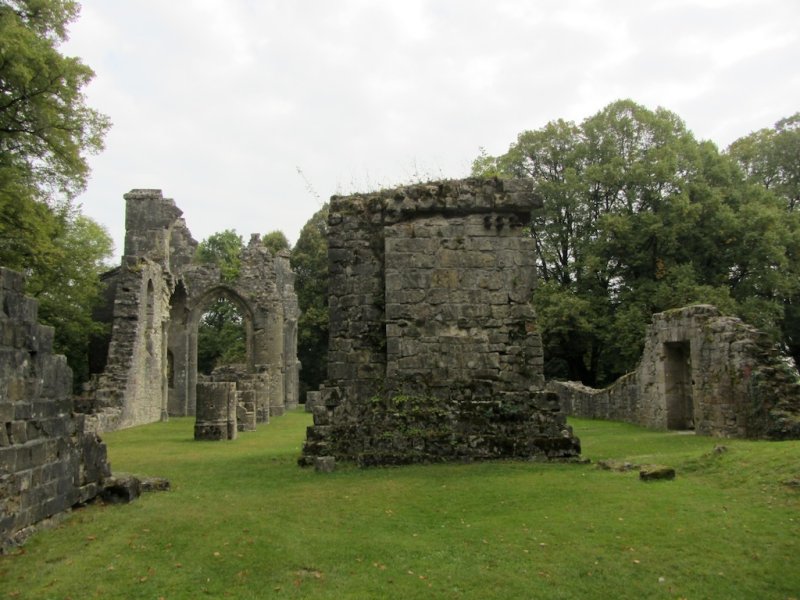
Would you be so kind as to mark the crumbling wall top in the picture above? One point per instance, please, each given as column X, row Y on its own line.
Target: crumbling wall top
column 448, row 198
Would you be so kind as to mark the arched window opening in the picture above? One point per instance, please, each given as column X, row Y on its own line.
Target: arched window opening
column 221, row 336
column 170, row 369
column 150, row 307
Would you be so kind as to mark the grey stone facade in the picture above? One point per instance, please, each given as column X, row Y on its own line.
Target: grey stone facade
column 699, row 371
column 48, row 461
column 158, row 296
column 434, row 352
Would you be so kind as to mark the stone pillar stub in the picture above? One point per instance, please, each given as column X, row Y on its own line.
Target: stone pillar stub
column 216, row 411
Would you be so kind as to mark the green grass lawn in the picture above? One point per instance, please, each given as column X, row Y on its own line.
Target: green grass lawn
column 243, row 521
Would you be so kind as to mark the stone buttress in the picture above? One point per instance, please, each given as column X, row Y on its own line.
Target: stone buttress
column 434, row 350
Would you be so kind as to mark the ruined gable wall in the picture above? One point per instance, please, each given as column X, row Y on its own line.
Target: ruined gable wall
column 132, row 389
column 434, row 352
column 738, row 384
column 158, row 297
column 48, row 462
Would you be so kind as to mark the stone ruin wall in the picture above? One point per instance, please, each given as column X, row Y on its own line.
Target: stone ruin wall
column 703, row 371
column 157, row 298
column 434, row 352
column 48, row 461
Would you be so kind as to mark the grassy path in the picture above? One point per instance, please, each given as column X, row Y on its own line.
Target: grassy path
column 243, row 521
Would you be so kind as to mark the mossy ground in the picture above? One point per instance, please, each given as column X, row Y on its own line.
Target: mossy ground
column 243, row 521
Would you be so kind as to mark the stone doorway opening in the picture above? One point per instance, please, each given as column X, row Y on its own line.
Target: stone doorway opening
column 678, row 385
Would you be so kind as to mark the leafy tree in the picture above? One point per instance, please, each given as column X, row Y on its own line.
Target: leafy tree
column 275, row 241
column 45, row 126
column 62, row 254
column 46, row 131
column 68, row 293
column 220, row 334
column 485, row 165
column 310, row 263
column 640, row 217
column 223, row 249
column 770, row 158
column 28, row 229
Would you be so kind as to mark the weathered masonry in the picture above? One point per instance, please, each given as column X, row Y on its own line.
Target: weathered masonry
column 155, row 300
column 48, row 461
column 434, row 350
column 699, row 371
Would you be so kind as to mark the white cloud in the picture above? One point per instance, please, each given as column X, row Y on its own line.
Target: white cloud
column 219, row 102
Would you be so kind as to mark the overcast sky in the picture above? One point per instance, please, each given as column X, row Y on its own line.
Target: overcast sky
column 252, row 113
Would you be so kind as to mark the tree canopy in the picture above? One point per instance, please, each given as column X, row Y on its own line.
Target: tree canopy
column 275, row 241
column 769, row 157
column 309, row 261
column 641, row 217
column 223, row 249
column 46, row 129
column 46, row 132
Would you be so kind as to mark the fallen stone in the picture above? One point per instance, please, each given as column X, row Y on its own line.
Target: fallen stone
column 324, row 464
column 793, row 482
column 616, row 465
column 155, row 484
column 656, row 472
column 121, row 489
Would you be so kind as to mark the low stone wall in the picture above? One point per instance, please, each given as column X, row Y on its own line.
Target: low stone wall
column 618, row 402
column 699, row 371
column 48, row 461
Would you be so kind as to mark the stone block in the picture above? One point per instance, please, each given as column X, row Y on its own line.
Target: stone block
column 211, row 431
column 19, row 432
column 155, row 484
column 8, row 459
column 246, row 416
column 22, row 309
column 313, row 398
column 656, row 473
column 324, row 464
column 17, row 393
column 121, row 489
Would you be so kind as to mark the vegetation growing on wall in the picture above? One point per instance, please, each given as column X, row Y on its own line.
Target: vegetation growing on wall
column 275, row 241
